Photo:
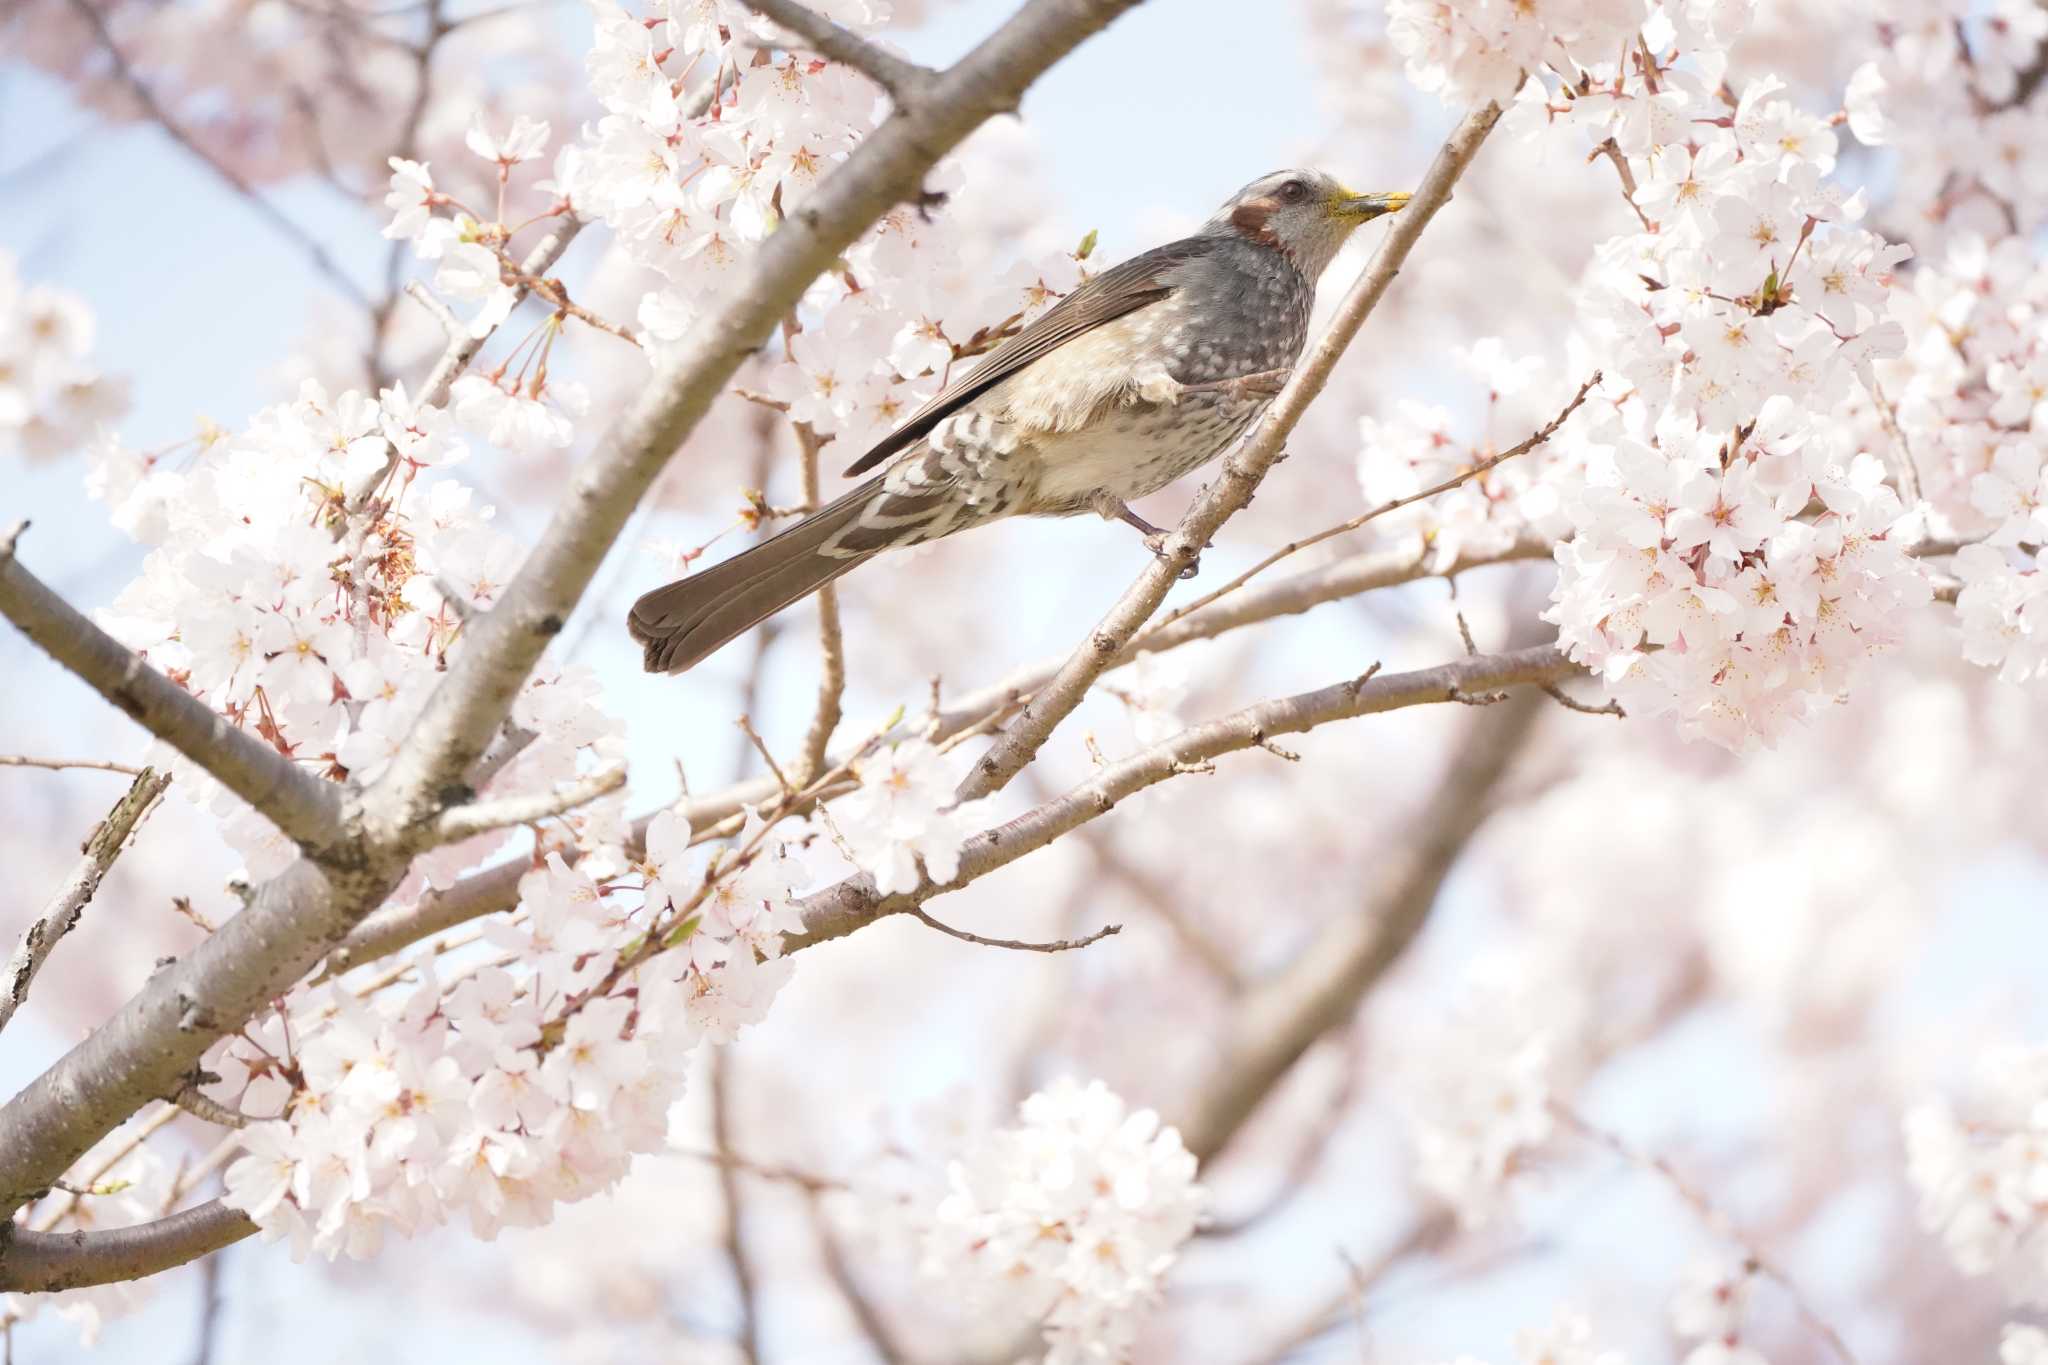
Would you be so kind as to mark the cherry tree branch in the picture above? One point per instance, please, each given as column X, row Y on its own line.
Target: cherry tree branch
column 851, row 904
column 462, row 347
column 100, row 849
column 831, row 641
column 45, row 1262
column 463, row 822
column 60, row 764
column 496, row 889
column 307, row 809
column 1063, row 945
column 904, row 80
column 1242, row 472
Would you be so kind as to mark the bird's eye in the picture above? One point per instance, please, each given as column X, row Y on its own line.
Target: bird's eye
column 1293, row 191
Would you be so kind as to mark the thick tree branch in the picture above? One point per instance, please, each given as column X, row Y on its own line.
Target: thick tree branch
column 101, row 847
column 307, row 809
column 904, row 80
column 1020, row 742
column 840, row 909
column 150, row 1045
column 887, row 167
column 45, row 1262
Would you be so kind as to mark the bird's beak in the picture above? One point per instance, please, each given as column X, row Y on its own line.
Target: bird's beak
column 1363, row 208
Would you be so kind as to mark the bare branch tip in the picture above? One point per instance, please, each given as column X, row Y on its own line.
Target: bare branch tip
column 1063, row 945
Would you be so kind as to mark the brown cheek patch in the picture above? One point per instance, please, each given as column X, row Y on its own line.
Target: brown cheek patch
column 1250, row 219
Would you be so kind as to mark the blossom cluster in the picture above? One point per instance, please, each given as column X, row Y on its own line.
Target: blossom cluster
column 1479, row 51
column 1965, row 161
column 1972, row 393
column 324, row 630
column 523, row 1079
column 904, row 820
column 1071, row 1218
column 1982, row 1173
column 1476, row 1120
column 1737, row 547
column 1420, row 447
column 52, row 398
column 517, row 406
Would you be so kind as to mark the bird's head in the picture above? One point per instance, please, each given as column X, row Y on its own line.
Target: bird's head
column 1305, row 214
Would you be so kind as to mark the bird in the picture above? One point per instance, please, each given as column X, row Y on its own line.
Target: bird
column 1140, row 375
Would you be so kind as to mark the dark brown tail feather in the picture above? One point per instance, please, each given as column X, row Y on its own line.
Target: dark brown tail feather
column 685, row 622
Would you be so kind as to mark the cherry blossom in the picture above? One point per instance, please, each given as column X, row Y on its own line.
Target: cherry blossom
column 904, row 817
column 1072, row 1217
column 52, row 399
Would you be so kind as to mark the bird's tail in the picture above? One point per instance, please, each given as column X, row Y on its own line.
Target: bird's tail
column 685, row 622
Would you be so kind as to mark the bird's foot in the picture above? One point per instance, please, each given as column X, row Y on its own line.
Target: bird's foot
column 1111, row 508
column 1264, row 384
column 1115, row 509
column 1156, row 543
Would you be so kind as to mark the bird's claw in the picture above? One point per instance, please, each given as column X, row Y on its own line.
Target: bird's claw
column 1265, row 384
column 1156, row 543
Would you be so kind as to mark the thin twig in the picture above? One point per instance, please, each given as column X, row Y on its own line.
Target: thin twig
column 1536, row 438
column 1063, row 945
column 867, row 1314
column 1612, row 151
column 452, row 327
column 551, row 290
column 746, row 726
column 748, row 1335
column 58, row 764
column 1610, row 707
column 1711, row 1217
column 209, row 1308
column 62, row 914
column 831, row 643
column 480, row 817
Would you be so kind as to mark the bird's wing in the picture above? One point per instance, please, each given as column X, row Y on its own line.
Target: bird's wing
column 1119, row 290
